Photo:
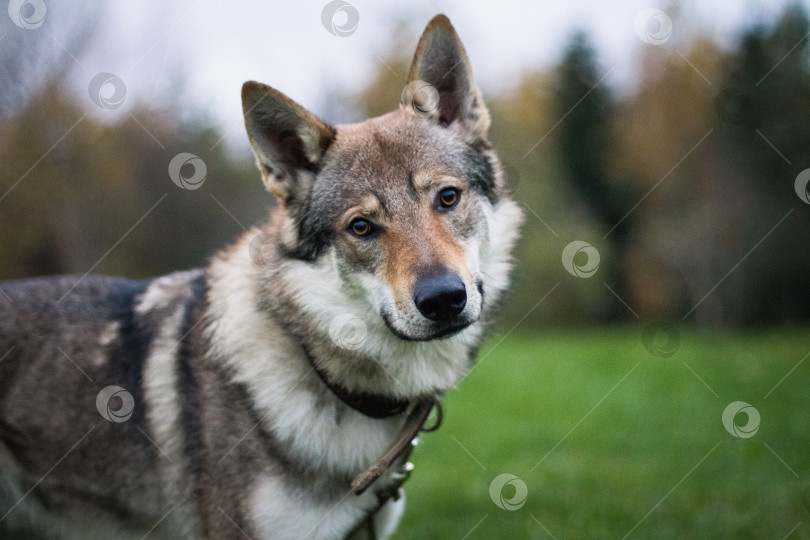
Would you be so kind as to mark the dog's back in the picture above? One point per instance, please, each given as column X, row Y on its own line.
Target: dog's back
column 71, row 388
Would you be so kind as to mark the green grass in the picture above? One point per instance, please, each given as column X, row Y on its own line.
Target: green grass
column 612, row 440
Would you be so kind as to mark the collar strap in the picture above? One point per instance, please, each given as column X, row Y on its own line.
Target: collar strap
column 400, row 449
column 372, row 405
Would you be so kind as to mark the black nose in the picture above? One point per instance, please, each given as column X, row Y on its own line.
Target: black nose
column 440, row 298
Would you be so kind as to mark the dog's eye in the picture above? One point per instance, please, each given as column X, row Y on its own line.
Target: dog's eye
column 449, row 197
column 360, row 227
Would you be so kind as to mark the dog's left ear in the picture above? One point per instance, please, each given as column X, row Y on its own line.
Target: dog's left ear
column 442, row 62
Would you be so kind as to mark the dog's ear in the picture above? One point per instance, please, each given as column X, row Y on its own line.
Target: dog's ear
column 442, row 62
column 289, row 141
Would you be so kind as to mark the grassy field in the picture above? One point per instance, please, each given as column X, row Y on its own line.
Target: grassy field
column 612, row 441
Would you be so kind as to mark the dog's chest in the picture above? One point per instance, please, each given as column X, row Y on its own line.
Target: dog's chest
column 282, row 512
column 285, row 505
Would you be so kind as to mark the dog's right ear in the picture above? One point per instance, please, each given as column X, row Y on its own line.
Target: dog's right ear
column 289, row 141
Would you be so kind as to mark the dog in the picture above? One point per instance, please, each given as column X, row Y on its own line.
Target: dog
column 274, row 393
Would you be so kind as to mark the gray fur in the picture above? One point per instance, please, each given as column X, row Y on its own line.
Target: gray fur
column 232, row 431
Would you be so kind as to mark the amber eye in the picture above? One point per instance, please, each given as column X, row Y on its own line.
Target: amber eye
column 360, row 227
column 449, row 197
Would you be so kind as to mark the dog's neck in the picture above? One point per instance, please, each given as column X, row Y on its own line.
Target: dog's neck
column 372, row 405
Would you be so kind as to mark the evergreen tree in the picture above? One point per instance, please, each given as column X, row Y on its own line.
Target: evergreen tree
column 766, row 134
column 585, row 137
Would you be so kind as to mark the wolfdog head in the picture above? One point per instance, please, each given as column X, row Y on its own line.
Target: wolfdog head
column 401, row 222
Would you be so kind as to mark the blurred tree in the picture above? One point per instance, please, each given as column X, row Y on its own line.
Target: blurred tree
column 664, row 151
column 73, row 189
column 766, row 88
column 585, row 134
column 84, row 189
column 714, row 141
column 586, row 141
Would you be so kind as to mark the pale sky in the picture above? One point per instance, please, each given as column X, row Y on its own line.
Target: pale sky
column 216, row 46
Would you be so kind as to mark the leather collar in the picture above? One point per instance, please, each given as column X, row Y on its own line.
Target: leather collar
column 372, row 405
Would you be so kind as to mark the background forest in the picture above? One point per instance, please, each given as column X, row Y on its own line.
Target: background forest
column 684, row 183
